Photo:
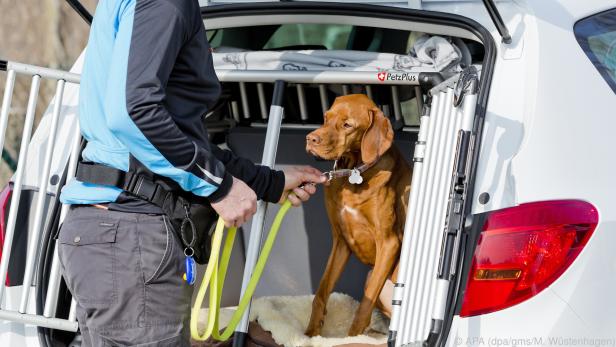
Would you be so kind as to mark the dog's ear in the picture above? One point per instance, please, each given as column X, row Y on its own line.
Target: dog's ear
column 378, row 138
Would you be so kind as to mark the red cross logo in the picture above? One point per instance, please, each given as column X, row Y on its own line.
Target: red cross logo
column 381, row 76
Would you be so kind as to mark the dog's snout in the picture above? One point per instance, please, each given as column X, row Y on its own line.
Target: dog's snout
column 313, row 138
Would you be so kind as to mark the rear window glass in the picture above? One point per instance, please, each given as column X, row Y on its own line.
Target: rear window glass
column 597, row 36
column 327, row 36
column 299, row 36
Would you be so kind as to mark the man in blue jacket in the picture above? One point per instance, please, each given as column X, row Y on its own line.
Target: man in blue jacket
column 147, row 81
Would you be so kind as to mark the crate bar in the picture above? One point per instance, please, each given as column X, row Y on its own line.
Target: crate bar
column 51, row 323
column 438, row 296
column 369, row 92
column 345, row 89
column 72, row 313
column 411, row 286
column 418, row 157
column 301, row 97
column 258, row 220
column 244, row 97
column 323, row 97
column 55, row 275
column 19, row 177
column 6, row 104
column 51, row 300
column 411, row 241
column 316, row 77
column 413, row 297
column 43, row 72
column 395, row 98
column 419, row 99
column 39, row 209
column 262, row 102
column 435, row 221
column 235, row 112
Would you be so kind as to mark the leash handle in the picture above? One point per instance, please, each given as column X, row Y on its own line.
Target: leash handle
column 211, row 268
column 214, row 275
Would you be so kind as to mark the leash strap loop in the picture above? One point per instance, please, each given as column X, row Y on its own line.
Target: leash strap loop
column 215, row 275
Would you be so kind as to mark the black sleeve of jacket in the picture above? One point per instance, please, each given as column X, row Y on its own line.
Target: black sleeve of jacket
column 144, row 56
column 267, row 183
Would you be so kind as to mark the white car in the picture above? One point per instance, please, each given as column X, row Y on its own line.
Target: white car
column 508, row 239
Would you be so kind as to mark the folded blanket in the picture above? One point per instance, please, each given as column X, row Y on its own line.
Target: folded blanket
column 429, row 54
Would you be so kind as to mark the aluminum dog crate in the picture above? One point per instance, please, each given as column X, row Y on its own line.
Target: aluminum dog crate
column 422, row 284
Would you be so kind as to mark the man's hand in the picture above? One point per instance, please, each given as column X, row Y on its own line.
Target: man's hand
column 238, row 205
column 296, row 176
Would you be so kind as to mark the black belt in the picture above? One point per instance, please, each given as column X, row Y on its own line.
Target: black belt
column 137, row 185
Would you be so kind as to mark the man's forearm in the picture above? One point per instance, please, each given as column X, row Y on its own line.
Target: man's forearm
column 267, row 183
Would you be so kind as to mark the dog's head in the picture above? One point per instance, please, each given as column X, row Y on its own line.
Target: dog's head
column 353, row 124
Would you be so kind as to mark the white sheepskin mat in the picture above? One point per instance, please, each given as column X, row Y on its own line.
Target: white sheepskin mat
column 286, row 317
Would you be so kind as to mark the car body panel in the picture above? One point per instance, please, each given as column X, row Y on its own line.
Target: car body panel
column 548, row 136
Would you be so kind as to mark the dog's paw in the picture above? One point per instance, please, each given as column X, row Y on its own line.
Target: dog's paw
column 311, row 332
column 357, row 328
column 314, row 329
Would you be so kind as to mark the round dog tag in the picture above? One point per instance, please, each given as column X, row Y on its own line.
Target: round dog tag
column 355, row 177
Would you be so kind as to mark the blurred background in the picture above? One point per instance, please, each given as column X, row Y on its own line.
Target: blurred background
column 39, row 32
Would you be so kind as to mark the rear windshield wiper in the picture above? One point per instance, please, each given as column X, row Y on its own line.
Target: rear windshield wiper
column 498, row 20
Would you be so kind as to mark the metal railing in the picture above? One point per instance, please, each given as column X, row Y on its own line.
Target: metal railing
column 37, row 74
column 280, row 79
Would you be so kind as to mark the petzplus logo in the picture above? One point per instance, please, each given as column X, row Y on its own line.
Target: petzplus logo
column 396, row 76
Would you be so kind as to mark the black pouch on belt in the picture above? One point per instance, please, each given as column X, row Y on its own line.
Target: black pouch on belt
column 194, row 223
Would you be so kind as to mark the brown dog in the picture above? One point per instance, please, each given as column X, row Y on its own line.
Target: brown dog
column 367, row 218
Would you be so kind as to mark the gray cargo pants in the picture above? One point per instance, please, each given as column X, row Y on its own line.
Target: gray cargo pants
column 125, row 272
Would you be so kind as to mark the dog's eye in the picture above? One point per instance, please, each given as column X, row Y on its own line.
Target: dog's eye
column 347, row 125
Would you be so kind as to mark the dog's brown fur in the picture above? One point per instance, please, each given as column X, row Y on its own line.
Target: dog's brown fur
column 367, row 219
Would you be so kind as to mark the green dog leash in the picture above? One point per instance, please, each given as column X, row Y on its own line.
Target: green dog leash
column 215, row 278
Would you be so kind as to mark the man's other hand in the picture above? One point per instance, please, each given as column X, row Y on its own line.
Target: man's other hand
column 238, row 205
column 294, row 177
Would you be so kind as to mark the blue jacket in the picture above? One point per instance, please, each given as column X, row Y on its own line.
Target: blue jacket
column 147, row 82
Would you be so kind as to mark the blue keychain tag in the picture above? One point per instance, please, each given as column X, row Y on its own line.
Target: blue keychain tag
column 191, row 270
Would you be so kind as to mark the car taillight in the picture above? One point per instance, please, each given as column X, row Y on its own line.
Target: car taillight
column 523, row 249
column 5, row 196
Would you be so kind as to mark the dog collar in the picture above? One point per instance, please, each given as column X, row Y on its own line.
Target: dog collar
column 353, row 174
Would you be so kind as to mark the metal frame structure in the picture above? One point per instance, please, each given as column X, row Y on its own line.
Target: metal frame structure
column 435, row 213
column 281, row 79
column 37, row 73
column 421, row 292
column 258, row 222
